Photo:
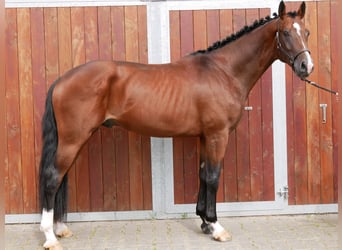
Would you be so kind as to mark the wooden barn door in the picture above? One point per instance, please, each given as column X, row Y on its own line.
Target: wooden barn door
column 248, row 171
column 112, row 172
column 312, row 114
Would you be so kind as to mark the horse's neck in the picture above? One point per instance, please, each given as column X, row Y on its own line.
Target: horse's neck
column 249, row 57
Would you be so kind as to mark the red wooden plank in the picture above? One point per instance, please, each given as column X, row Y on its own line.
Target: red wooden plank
column 65, row 64
column 313, row 112
column 81, row 164
column 242, row 132
column 199, row 30
column 122, row 169
column 38, row 80
column 335, row 62
column 267, row 130
column 15, row 202
column 51, row 45
column 107, row 135
column 147, row 174
column 324, row 69
column 190, row 155
column 26, row 111
column 118, row 33
column 142, row 34
column 213, row 26
column 300, row 141
column 255, row 129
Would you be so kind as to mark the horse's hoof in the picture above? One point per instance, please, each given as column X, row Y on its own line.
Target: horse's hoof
column 66, row 233
column 222, row 236
column 206, row 228
column 54, row 245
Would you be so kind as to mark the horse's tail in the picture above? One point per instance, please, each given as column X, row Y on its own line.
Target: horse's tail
column 52, row 194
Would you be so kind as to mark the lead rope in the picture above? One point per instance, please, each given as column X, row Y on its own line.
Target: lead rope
column 320, row 87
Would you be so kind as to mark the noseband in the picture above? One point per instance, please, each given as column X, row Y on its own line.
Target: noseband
column 292, row 59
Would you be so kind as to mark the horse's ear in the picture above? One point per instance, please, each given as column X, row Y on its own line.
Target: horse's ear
column 281, row 9
column 301, row 10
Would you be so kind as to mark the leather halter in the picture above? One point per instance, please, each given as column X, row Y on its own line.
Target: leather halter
column 281, row 48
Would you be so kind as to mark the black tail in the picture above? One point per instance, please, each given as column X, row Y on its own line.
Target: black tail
column 52, row 194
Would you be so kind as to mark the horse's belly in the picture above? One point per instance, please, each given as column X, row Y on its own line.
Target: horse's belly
column 159, row 126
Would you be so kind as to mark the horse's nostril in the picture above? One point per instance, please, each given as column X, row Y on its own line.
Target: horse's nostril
column 303, row 66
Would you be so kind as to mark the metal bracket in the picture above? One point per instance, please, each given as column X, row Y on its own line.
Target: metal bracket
column 283, row 192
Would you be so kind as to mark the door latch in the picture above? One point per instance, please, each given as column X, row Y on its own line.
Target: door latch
column 324, row 106
column 283, row 192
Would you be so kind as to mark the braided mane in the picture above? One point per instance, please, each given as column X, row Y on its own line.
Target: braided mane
column 243, row 31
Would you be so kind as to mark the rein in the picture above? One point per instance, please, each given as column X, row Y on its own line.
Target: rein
column 293, row 59
column 320, row 87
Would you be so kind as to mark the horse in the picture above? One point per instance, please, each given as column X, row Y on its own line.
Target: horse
column 202, row 94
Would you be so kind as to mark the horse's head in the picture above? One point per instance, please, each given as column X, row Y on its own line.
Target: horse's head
column 292, row 37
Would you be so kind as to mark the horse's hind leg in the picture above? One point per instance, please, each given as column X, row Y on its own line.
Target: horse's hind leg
column 53, row 191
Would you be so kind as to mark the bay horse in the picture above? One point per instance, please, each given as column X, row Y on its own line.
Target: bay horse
column 202, row 94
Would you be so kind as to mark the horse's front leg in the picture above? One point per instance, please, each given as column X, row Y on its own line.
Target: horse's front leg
column 212, row 150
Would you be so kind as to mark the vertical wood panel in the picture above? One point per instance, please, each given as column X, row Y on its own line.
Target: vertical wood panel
column 313, row 110
column 335, row 66
column 38, row 80
column 15, row 188
column 324, row 71
column 26, row 111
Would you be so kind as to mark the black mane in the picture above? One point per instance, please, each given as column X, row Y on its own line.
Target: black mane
column 244, row 30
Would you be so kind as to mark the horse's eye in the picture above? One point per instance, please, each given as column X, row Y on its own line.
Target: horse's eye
column 307, row 33
column 286, row 33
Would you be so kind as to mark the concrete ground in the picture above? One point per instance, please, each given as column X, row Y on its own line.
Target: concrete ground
column 262, row 232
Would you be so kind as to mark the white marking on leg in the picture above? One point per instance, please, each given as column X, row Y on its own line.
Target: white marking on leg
column 46, row 226
column 219, row 233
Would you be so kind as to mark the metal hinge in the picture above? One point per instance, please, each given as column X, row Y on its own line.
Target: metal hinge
column 284, row 192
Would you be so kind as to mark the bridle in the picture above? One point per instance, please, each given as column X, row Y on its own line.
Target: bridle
column 292, row 59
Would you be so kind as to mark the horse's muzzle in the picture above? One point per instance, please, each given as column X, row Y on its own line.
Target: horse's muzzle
column 303, row 65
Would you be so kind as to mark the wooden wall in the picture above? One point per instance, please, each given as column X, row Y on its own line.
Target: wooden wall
column 113, row 170
column 248, row 172
column 312, row 145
